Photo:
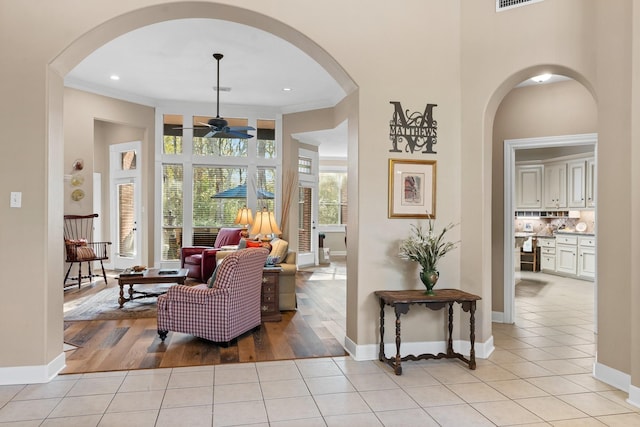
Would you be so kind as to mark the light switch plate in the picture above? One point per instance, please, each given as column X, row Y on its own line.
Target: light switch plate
column 16, row 199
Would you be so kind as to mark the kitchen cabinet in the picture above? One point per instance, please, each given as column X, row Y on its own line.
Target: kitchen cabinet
column 576, row 171
column 548, row 254
column 529, row 187
column 590, row 183
column 587, row 257
column 567, row 254
column 555, row 185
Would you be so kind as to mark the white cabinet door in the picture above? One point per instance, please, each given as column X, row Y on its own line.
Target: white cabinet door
column 548, row 262
column 587, row 262
column 555, row 186
column 590, row 183
column 576, row 183
column 566, row 261
column 529, row 187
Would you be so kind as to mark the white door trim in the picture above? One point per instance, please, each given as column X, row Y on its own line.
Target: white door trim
column 117, row 175
column 510, row 147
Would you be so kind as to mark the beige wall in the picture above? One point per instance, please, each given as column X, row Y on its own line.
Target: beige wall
column 563, row 108
column 461, row 55
column 92, row 124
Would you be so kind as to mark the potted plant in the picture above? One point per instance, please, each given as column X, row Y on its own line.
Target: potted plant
column 427, row 248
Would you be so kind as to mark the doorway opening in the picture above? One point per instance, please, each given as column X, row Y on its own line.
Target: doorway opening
column 544, row 222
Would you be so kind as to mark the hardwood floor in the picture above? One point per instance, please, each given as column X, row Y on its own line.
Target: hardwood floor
column 311, row 331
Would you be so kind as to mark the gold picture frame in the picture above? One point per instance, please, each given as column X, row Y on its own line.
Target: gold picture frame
column 412, row 188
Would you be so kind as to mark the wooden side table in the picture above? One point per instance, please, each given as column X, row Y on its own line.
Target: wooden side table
column 401, row 300
column 270, row 301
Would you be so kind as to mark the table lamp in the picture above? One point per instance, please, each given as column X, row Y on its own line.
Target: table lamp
column 245, row 219
column 265, row 225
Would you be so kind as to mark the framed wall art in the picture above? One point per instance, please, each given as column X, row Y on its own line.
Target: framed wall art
column 412, row 188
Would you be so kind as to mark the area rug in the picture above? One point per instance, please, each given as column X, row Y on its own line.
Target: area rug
column 104, row 304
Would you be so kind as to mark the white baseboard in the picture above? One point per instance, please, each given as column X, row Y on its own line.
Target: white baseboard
column 497, row 316
column 370, row 351
column 32, row 374
column 611, row 376
column 634, row 396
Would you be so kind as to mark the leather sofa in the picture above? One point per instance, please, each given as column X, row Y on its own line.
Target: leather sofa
column 201, row 260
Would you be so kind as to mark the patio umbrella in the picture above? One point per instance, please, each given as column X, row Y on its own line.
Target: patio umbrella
column 240, row 192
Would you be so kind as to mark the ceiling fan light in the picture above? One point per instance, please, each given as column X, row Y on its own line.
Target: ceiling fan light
column 541, row 78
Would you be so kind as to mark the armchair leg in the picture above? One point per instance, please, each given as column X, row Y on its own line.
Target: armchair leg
column 162, row 334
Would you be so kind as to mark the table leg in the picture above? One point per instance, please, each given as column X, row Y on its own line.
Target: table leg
column 472, row 335
column 381, row 356
column 398, row 367
column 131, row 292
column 450, row 340
column 121, row 299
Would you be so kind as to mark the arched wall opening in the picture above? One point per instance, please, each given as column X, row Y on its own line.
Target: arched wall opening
column 95, row 38
column 502, row 288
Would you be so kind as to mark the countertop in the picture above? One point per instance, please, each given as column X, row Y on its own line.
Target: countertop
column 553, row 236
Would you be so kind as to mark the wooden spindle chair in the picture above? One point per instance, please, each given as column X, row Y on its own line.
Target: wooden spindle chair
column 80, row 247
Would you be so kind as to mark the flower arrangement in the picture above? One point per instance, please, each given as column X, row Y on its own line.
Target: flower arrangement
column 426, row 247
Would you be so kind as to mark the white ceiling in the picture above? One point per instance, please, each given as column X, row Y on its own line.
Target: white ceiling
column 172, row 62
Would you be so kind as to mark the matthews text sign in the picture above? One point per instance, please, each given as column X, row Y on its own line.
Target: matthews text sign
column 418, row 131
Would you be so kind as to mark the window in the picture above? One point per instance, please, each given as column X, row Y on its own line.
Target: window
column 172, row 202
column 172, row 134
column 214, row 146
column 305, row 165
column 206, row 180
column 266, row 188
column 332, row 198
column 266, row 139
column 218, row 193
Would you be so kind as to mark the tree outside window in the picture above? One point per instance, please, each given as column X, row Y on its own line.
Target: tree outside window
column 332, row 198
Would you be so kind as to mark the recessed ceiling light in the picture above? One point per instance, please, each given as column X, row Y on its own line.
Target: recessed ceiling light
column 286, row 89
column 114, row 77
column 541, row 78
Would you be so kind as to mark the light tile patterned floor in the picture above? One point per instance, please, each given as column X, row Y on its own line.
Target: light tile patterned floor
column 539, row 375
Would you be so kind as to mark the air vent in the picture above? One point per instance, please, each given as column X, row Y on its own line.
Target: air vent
column 502, row 5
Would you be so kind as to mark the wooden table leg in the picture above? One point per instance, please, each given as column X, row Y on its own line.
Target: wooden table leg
column 381, row 356
column 121, row 300
column 398, row 368
column 450, row 340
column 472, row 335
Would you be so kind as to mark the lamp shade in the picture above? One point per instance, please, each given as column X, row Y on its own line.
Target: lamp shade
column 265, row 223
column 244, row 217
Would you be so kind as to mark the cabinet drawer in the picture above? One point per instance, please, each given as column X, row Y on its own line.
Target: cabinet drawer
column 266, row 298
column 268, row 307
column 549, row 251
column 566, row 240
column 269, row 279
column 547, row 243
column 268, row 289
column 587, row 241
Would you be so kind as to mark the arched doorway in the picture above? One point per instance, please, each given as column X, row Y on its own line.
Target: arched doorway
column 95, row 38
column 502, row 229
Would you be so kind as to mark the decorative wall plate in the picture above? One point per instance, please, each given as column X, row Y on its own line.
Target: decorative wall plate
column 77, row 195
column 78, row 164
column 581, row 227
column 77, row 180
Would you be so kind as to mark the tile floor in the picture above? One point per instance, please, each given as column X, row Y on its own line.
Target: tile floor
column 539, row 375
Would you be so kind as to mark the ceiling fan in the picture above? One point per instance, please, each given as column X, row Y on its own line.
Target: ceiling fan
column 219, row 127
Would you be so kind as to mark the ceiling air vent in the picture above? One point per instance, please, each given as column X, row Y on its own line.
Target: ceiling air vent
column 510, row 4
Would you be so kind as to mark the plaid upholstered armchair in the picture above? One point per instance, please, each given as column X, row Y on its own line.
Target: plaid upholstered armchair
column 222, row 312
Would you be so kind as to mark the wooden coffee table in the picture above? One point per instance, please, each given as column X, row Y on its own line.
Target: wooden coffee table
column 149, row 276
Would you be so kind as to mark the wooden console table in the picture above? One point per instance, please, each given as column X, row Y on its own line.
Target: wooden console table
column 401, row 300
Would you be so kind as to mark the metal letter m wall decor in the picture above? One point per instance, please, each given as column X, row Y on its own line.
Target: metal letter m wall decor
column 418, row 131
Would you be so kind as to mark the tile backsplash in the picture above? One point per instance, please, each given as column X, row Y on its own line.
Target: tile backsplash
column 545, row 226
